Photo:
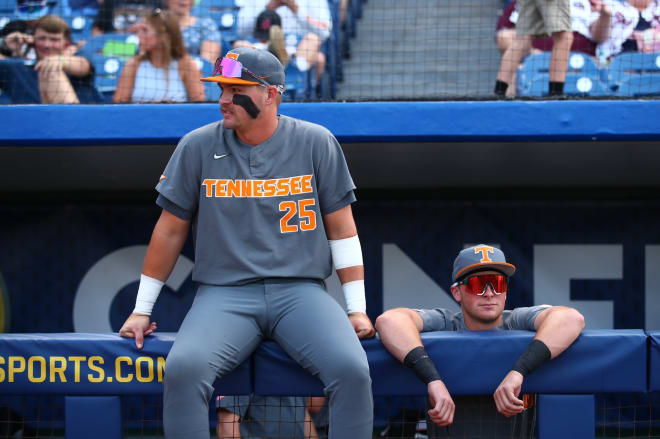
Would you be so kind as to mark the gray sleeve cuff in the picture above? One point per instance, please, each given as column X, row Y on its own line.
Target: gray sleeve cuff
column 348, row 199
column 174, row 209
column 433, row 319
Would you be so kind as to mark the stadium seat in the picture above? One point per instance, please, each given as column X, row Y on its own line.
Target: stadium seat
column 583, row 77
column 7, row 6
column 635, row 74
column 118, row 45
column 577, row 84
column 211, row 89
column 332, row 49
column 80, row 25
column 224, row 13
column 7, row 11
column 298, row 83
column 5, row 17
column 106, row 74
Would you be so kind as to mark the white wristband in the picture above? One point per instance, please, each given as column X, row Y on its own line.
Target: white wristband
column 148, row 292
column 346, row 252
column 354, row 295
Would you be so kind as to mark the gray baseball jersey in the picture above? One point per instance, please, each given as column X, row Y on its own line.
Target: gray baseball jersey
column 477, row 415
column 440, row 319
column 264, row 417
column 256, row 210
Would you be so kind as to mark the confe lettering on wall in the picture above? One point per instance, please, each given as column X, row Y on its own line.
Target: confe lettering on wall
column 404, row 282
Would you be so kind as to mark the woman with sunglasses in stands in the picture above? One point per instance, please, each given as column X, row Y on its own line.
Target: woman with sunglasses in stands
column 481, row 276
column 162, row 71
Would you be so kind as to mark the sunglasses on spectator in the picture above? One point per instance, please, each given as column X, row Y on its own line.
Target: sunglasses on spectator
column 230, row 68
column 478, row 283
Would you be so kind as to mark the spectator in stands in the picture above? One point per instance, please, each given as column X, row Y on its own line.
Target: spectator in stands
column 268, row 35
column 264, row 417
column 590, row 22
column 201, row 36
column 310, row 20
column 481, row 276
column 163, row 71
column 635, row 27
column 121, row 15
column 58, row 77
column 539, row 18
column 16, row 41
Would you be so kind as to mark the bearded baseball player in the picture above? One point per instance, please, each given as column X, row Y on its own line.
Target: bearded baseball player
column 269, row 199
column 481, row 278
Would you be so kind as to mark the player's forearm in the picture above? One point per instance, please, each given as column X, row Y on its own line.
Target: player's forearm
column 398, row 332
column 560, row 328
column 166, row 243
column 350, row 274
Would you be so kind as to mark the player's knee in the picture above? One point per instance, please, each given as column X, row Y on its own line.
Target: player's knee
column 351, row 374
column 181, row 369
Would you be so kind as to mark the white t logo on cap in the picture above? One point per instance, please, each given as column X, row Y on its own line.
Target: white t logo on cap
column 484, row 250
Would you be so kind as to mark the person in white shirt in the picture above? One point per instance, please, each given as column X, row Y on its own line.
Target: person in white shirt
column 635, row 27
column 163, row 71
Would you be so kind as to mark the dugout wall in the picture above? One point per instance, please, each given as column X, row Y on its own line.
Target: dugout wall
column 87, row 366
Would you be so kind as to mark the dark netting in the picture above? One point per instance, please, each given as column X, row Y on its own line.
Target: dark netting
column 283, row 417
column 91, row 51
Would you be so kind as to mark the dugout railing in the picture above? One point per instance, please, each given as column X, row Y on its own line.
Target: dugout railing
column 94, row 370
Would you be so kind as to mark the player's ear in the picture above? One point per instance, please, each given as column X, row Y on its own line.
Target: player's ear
column 456, row 292
column 271, row 97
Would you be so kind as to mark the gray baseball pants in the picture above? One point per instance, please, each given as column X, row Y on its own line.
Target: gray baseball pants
column 226, row 324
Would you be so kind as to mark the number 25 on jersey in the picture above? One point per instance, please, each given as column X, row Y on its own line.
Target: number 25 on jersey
column 305, row 212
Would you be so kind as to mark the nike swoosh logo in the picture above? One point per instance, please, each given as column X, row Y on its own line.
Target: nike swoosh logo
column 216, row 156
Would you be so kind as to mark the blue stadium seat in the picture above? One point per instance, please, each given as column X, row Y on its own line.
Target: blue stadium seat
column 119, row 45
column 80, row 25
column 5, row 17
column 224, row 13
column 577, row 84
column 635, row 74
column 211, row 89
column 332, row 49
column 7, row 6
column 583, row 77
column 297, row 84
column 106, row 74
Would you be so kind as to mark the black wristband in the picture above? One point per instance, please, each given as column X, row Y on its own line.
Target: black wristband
column 420, row 363
column 536, row 354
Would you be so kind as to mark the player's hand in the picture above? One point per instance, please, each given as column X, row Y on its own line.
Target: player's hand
column 137, row 326
column 362, row 325
column 506, row 395
column 442, row 413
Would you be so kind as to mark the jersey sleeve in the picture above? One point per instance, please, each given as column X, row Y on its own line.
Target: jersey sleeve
column 179, row 182
column 523, row 318
column 438, row 319
column 334, row 183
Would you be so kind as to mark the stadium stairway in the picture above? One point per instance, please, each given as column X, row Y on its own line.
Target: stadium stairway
column 413, row 50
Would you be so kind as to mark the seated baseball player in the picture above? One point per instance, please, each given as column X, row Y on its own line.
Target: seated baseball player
column 481, row 277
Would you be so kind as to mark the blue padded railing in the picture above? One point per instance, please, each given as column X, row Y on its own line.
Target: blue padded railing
column 92, row 365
